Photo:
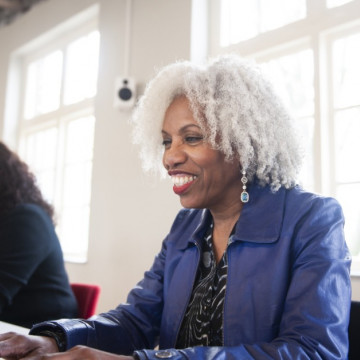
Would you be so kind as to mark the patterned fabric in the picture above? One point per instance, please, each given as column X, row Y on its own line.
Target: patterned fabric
column 203, row 321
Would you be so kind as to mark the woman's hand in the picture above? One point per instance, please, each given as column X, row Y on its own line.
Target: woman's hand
column 84, row 352
column 16, row 346
column 31, row 347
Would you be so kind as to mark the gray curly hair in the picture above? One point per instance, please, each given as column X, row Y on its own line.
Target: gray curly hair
column 237, row 109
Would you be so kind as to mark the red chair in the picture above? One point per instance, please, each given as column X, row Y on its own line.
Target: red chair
column 87, row 296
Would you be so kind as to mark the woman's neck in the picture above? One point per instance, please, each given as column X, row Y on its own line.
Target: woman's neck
column 224, row 223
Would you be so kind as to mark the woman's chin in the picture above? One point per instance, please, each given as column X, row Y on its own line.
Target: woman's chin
column 190, row 203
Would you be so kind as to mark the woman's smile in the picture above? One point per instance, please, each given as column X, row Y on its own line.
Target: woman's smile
column 182, row 182
column 200, row 175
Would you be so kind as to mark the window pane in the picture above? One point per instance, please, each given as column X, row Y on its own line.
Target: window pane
column 293, row 78
column 41, row 154
column 77, row 181
column 31, row 91
column 346, row 71
column 334, row 3
column 78, row 162
column 305, row 129
column 74, row 233
column 80, row 139
column 347, row 145
column 43, row 85
column 272, row 17
column 74, row 223
column 242, row 19
column 81, row 68
column 239, row 21
column 346, row 195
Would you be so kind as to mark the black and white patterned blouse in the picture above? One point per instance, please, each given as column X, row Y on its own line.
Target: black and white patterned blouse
column 203, row 321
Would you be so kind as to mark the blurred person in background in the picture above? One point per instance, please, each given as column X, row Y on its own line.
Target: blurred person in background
column 34, row 285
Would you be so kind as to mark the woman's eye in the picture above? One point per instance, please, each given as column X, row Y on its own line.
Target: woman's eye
column 193, row 139
column 166, row 142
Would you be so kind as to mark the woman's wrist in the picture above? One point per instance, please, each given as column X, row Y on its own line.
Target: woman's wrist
column 58, row 336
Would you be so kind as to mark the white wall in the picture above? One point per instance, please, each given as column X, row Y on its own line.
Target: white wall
column 131, row 212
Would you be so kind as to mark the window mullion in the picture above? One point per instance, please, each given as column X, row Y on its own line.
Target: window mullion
column 63, row 71
column 59, row 169
column 326, row 133
column 317, row 149
column 331, row 127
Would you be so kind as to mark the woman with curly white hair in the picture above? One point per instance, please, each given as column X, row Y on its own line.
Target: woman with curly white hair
column 254, row 267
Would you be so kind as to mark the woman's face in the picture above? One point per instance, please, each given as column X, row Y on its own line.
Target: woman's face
column 201, row 176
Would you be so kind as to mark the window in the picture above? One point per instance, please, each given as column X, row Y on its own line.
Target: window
column 345, row 115
column 243, row 19
column 57, row 129
column 311, row 55
column 43, row 85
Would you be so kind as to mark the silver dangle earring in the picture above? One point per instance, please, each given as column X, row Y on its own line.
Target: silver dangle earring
column 244, row 197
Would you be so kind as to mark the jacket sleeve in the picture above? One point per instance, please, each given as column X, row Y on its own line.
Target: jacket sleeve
column 314, row 322
column 133, row 325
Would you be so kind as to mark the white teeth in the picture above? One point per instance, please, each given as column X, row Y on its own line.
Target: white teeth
column 181, row 180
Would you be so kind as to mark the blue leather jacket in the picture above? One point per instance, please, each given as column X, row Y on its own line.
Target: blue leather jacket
column 287, row 296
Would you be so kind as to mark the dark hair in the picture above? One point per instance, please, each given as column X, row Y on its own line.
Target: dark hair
column 17, row 184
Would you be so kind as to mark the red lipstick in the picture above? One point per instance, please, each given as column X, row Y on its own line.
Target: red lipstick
column 182, row 188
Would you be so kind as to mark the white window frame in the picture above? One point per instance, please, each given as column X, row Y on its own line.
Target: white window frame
column 59, row 38
column 329, row 183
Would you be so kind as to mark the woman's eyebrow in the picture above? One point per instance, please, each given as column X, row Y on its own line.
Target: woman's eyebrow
column 186, row 127
column 183, row 129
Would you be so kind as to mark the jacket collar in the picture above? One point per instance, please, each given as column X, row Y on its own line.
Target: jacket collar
column 260, row 221
column 262, row 217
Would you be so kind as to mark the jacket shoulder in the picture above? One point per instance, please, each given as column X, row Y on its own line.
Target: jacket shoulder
column 317, row 224
column 306, row 201
column 30, row 224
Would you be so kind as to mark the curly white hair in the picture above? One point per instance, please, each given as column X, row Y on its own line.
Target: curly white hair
column 238, row 111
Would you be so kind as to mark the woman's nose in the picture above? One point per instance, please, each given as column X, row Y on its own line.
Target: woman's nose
column 174, row 156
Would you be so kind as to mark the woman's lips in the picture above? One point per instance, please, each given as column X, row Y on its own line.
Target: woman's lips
column 182, row 182
column 182, row 188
